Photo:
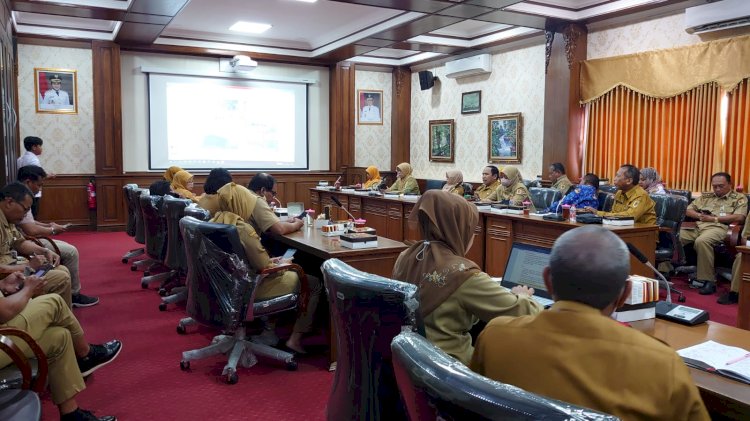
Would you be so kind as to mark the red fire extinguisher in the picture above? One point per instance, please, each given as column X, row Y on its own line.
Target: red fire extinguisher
column 91, row 192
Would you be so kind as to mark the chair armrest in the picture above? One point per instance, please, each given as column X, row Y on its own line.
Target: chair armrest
column 19, row 359
column 37, row 241
column 304, row 284
column 665, row 229
column 733, row 238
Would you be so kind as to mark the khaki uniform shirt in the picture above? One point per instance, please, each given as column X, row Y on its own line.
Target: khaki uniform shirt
column 262, row 218
column 573, row 353
column 484, row 191
column 406, row 185
column 635, row 203
column 515, row 195
column 479, row 298
column 10, row 238
column 562, row 184
column 459, row 190
column 209, row 202
column 733, row 202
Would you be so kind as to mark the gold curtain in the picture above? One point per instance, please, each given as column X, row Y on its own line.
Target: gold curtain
column 736, row 161
column 678, row 136
column 670, row 72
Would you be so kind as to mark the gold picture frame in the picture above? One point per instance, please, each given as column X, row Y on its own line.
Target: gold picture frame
column 504, row 142
column 369, row 106
column 56, row 90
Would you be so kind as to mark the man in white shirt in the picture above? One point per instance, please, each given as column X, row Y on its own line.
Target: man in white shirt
column 370, row 112
column 33, row 146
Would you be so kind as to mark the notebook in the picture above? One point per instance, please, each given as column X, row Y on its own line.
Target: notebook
column 524, row 267
column 728, row 361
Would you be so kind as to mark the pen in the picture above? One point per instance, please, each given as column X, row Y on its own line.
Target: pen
column 738, row 359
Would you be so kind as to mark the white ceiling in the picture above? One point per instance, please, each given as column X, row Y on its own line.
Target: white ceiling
column 327, row 27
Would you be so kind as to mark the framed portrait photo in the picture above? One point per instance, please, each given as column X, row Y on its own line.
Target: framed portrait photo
column 56, row 91
column 369, row 106
column 442, row 140
column 471, row 102
column 504, row 138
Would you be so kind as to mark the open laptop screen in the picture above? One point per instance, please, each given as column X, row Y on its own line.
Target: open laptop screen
column 524, row 267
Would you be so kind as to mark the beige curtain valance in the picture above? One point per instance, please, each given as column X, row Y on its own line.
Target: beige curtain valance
column 667, row 73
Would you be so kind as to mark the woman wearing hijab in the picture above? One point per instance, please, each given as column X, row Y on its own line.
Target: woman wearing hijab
column 236, row 204
column 182, row 184
column 651, row 182
column 373, row 178
column 170, row 172
column 454, row 182
column 511, row 189
column 405, row 182
column 453, row 293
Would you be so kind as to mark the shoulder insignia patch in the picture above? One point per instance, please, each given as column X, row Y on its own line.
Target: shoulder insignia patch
column 741, row 202
column 635, row 203
column 577, row 190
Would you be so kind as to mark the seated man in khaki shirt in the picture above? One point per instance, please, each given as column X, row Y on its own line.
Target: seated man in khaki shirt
column 630, row 199
column 263, row 218
column 576, row 353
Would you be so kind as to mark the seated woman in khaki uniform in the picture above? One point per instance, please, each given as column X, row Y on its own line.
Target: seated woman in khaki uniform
column 182, row 184
column 454, row 293
column 511, row 189
column 237, row 203
column 373, row 178
column 170, row 172
column 405, row 182
column 454, row 180
column 216, row 179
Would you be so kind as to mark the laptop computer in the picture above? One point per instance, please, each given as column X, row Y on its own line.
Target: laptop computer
column 524, row 267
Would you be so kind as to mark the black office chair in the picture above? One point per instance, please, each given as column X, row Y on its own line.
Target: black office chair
column 605, row 201
column 434, row 184
column 131, row 227
column 368, row 311
column 197, row 213
column 155, row 224
column 140, row 227
column 221, row 294
column 670, row 213
column 23, row 380
column 609, row 188
column 436, row 386
column 543, row 198
column 174, row 259
column 684, row 193
column 532, row 183
column 468, row 189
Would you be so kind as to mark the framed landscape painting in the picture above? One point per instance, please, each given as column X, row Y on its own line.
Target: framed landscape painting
column 442, row 141
column 471, row 102
column 504, row 138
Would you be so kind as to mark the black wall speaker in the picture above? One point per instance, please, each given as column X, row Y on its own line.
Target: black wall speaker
column 426, row 80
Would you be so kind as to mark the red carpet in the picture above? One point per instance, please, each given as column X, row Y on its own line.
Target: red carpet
column 146, row 380
column 726, row 314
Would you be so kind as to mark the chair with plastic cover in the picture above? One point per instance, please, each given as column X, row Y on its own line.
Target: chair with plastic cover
column 433, row 184
column 155, row 225
column 23, row 380
column 606, row 200
column 437, row 386
column 609, row 188
column 174, row 259
column 542, row 197
column 197, row 213
column 670, row 214
column 221, row 294
column 131, row 226
column 140, row 227
column 367, row 312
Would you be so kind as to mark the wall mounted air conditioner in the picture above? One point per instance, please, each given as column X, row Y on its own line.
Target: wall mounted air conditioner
column 469, row 66
column 716, row 16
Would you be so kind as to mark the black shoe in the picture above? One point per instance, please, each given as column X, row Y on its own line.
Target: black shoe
column 708, row 289
column 84, row 415
column 696, row 284
column 730, row 297
column 99, row 356
column 80, row 300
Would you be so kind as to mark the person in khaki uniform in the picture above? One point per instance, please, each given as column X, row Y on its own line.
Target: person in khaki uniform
column 576, row 353
column 263, row 219
column 558, row 178
column 405, row 182
column 217, row 178
column 15, row 202
column 236, row 203
column 714, row 212
column 52, row 325
column 511, row 189
column 490, row 183
column 630, row 199
column 454, row 180
column 454, row 293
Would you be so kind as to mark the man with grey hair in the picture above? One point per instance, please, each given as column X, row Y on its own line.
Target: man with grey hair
column 576, row 353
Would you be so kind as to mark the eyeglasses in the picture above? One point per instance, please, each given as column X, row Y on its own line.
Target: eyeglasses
column 25, row 209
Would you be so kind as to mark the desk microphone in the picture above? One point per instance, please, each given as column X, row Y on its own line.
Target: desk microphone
column 338, row 203
column 665, row 309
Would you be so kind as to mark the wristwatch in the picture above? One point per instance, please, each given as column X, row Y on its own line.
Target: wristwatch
column 53, row 230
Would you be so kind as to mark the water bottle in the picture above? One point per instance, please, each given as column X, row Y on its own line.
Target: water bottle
column 722, row 212
column 573, row 213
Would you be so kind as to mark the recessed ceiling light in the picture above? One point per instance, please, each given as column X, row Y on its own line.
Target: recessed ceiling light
column 250, row 27
column 308, row 1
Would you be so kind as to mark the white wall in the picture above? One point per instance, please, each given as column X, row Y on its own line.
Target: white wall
column 135, row 128
column 516, row 84
column 68, row 138
column 372, row 143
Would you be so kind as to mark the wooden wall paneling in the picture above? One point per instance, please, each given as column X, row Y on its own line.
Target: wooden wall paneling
column 64, row 200
column 400, row 116
column 476, row 252
column 341, row 115
column 498, row 242
column 566, row 47
column 355, row 206
column 376, row 214
column 9, row 145
column 111, row 209
column 395, row 226
column 411, row 230
column 107, row 108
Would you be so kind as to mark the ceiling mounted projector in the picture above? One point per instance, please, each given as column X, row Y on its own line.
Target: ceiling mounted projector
column 242, row 64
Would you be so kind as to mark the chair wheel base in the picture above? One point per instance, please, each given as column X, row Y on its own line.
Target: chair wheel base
column 163, row 292
column 181, row 329
column 232, row 378
column 184, row 365
column 681, row 299
column 124, row 260
column 291, row 365
column 144, row 285
column 133, row 268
